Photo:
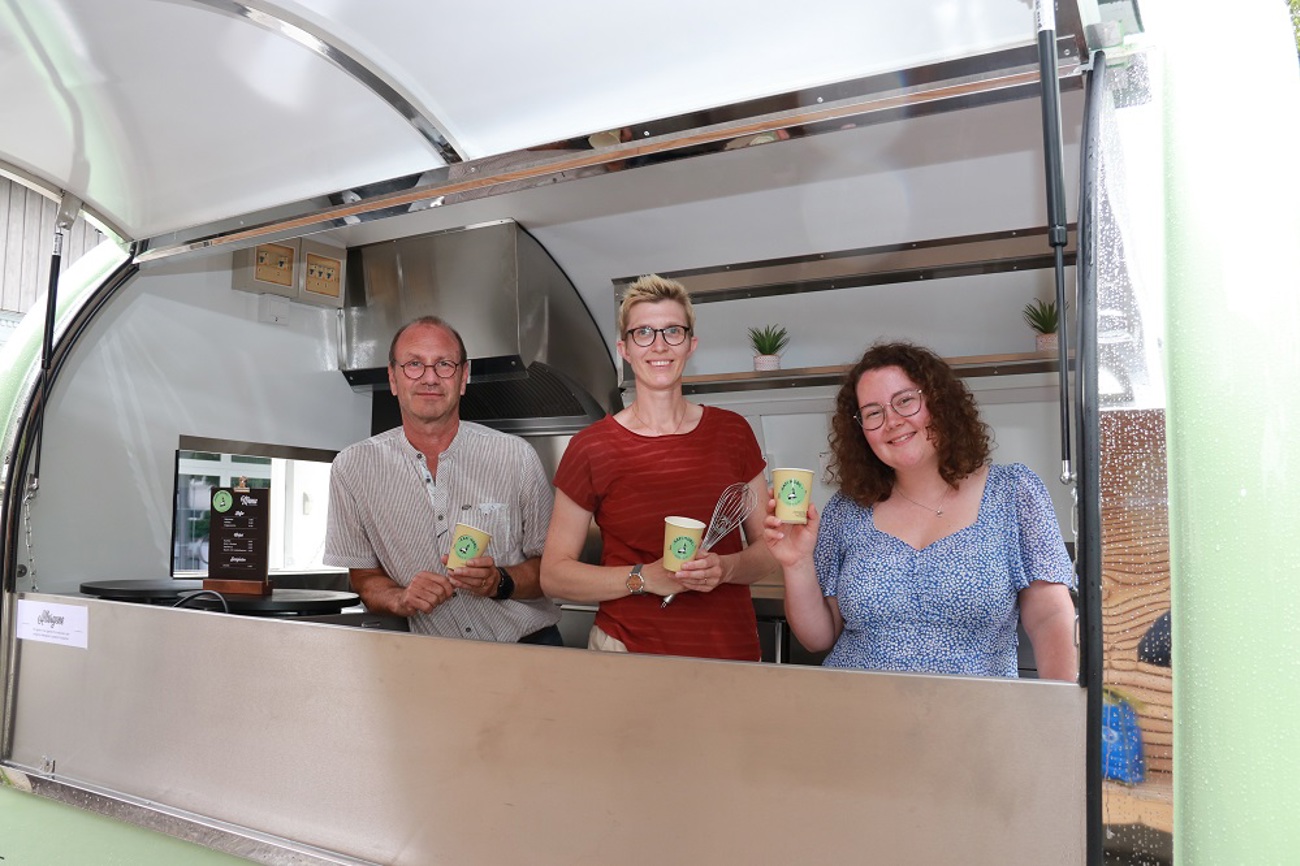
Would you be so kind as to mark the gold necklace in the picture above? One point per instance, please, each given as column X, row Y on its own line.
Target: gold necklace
column 639, row 420
column 938, row 512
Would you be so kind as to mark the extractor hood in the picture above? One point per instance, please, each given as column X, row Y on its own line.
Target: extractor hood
column 539, row 362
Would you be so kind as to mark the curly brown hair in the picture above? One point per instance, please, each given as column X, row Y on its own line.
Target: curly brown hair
column 959, row 435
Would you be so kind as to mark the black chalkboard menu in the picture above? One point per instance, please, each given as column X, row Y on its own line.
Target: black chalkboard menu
column 239, row 532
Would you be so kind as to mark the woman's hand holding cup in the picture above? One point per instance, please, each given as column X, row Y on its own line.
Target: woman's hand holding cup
column 790, row 543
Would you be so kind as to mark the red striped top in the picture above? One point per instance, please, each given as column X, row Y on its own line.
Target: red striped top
column 631, row 483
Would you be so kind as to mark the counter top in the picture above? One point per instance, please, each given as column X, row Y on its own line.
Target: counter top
column 281, row 602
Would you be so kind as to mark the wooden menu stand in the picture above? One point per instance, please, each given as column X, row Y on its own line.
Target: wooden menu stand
column 239, row 533
column 238, row 587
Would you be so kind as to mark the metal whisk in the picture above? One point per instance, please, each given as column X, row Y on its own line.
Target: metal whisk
column 733, row 507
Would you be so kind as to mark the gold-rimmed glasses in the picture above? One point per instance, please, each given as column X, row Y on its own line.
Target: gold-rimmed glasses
column 905, row 404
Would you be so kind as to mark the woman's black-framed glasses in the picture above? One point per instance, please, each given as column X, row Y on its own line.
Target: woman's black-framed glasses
column 905, row 404
column 443, row 369
column 644, row 336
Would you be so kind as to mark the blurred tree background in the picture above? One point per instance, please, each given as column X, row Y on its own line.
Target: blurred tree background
column 1295, row 21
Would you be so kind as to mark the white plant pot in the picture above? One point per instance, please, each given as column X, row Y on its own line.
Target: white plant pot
column 1045, row 342
column 767, row 363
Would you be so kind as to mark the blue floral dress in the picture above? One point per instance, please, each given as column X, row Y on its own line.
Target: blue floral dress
column 953, row 606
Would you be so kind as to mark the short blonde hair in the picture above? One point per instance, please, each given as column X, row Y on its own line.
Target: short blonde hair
column 650, row 289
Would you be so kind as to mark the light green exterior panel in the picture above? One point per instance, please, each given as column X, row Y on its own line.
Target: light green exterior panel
column 1233, row 346
column 35, row 831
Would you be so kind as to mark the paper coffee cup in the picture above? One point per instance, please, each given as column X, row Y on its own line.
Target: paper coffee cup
column 792, row 489
column 682, row 536
column 467, row 542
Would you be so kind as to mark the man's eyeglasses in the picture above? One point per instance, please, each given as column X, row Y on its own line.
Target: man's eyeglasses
column 443, row 369
column 904, row 403
column 645, row 335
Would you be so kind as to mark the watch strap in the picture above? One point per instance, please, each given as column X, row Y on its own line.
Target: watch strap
column 635, row 582
column 505, row 586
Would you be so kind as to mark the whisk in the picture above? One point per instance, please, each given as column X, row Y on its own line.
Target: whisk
column 733, row 507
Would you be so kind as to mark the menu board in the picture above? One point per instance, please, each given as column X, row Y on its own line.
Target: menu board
column 239, row 533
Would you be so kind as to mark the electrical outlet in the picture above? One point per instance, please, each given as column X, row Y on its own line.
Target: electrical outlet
column 273, row 309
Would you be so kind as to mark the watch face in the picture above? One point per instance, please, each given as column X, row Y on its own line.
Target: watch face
column 635, row 584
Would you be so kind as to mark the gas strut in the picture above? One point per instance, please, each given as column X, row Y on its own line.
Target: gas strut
column 1057, row 231
column 69, row 207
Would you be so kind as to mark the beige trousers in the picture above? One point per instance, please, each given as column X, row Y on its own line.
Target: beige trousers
column 599, row 640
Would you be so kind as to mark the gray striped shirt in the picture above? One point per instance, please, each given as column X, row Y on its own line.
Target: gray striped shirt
column 384, row 513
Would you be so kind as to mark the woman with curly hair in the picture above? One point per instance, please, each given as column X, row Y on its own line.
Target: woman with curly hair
column 928, row 555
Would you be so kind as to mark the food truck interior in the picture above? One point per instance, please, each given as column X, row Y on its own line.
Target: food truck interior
column 305, row 177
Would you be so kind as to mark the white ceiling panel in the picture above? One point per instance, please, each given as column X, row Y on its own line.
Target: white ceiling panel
column 505, row 75
column 168, row 114
column 165, row 115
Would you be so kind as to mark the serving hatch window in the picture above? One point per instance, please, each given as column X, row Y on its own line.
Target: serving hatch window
column 298, row 481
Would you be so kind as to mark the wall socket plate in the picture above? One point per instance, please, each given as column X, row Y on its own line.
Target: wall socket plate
column 273, row 309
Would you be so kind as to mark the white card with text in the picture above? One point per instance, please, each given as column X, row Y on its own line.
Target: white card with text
column 48, row 622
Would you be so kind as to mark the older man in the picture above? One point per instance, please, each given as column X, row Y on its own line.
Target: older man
column 395, row 498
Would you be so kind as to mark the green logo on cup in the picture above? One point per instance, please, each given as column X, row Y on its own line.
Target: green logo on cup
column 466, row 547
column 222, row 500
column 793, row 492
column 683, row 547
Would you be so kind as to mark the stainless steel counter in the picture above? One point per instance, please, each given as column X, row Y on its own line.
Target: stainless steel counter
column 394, row 748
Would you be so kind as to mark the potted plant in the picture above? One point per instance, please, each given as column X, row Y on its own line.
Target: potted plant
column 767, row 343
column 1042, row 317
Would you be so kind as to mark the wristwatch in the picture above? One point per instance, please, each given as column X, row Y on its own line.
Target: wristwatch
column 635, row 582
column 505, row 587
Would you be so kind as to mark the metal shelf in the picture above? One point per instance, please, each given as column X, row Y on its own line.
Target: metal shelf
column 970, row 366
column 918, row 261
column 921, row 261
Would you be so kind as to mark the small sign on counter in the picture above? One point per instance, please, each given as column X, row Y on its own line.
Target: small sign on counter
column 48, row 622
column 239, row 534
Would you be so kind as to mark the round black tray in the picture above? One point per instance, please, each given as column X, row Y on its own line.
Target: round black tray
column 281, row 602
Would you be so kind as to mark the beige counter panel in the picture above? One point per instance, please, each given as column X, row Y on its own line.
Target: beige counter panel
column 399, row 748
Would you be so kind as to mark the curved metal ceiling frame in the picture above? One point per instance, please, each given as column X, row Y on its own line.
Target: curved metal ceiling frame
column 999, row 77
column 54, row 194
column 314, row 39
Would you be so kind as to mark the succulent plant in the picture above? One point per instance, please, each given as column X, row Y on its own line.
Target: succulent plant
column 768, row 340
column 1041, row 316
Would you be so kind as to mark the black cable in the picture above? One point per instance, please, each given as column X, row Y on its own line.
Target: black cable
column 225, row 608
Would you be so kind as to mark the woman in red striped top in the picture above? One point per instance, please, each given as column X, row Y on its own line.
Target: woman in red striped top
column 660, row 456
